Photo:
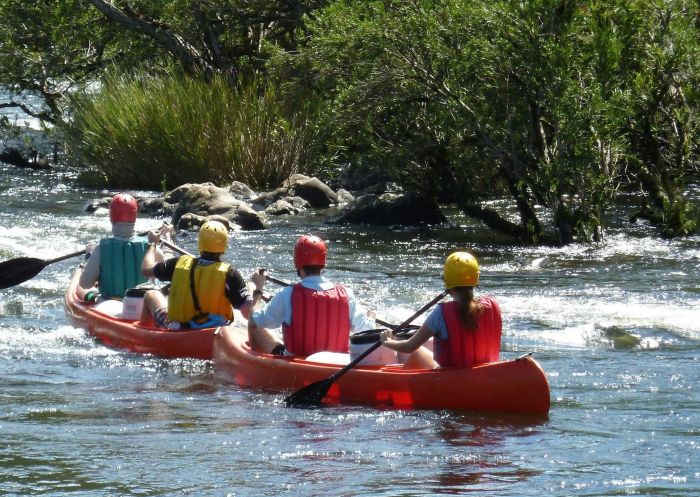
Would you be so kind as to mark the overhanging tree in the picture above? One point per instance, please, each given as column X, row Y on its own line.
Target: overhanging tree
column 479, row 98
column 48, row 49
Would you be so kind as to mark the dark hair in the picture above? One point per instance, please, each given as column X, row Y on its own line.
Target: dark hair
column 469, row 308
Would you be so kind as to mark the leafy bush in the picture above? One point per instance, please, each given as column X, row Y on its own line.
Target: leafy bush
column 550, row 101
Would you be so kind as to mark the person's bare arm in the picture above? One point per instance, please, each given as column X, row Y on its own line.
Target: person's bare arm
column 91, row 273
column 406, row 346
column 149, row 259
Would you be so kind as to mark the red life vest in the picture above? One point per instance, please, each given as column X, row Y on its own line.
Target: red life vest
column 320, row 321
column 465, row 347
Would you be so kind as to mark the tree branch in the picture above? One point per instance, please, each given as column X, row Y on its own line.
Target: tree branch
column 44, row 116
column 188, row 55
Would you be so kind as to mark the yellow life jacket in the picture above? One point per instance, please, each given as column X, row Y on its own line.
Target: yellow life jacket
column 209, row 287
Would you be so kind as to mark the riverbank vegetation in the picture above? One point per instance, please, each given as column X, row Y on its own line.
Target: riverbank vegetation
column 163, row 131
column 555, row 104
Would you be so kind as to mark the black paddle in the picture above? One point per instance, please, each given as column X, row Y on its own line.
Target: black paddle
column 16, row 271
column 312, row 395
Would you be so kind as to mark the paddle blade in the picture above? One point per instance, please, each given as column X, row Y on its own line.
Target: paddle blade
column 311, row 395
column 16, row 271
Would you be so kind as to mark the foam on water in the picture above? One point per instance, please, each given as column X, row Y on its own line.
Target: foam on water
column 613, row 326
column 30, row 343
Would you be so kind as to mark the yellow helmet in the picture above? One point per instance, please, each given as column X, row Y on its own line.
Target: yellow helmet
column 213, row 237
column 461, row 269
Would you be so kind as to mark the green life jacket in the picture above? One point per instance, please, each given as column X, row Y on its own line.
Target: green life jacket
column 120, row 265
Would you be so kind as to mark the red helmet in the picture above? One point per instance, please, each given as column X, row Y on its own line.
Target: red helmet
column 309, row 251
column 123, row 208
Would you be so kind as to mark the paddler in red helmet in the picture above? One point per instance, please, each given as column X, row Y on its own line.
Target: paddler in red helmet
column 114, row 265
column 315, row 314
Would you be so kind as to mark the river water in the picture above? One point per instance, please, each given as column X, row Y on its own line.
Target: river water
column 615, row 326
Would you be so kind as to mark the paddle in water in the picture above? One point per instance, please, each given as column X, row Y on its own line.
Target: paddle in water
column 312, row 395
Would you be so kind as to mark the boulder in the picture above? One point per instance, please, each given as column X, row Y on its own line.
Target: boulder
column 99, row 203
column 313, row 190
column 298, row 203
column 390, row 209
column 207, row 199
column 345, row 196
column 280, row 208
column 176, row 195
column 14, row 157
column 266, row 199
column 287, row 205
column 155, row 206
column 192, row 221
column 241, row 191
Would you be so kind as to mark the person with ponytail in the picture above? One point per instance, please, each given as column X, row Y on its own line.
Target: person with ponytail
column 466, row 331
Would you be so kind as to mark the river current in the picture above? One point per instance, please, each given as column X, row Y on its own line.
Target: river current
column 616, row 327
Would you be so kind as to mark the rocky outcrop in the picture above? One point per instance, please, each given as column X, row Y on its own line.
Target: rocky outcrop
column 390, row 209
column 191, row 204
column 14, row 157
column 241, row 191
column 287, row 205
column 315, row 192
column 193, row 221
column 207, row 200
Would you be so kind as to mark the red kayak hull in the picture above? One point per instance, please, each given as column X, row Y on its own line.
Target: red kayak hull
column 517, row 386
column 132, row 335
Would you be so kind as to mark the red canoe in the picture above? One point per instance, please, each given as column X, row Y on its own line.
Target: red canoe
column 516, row 386
column 131, row 335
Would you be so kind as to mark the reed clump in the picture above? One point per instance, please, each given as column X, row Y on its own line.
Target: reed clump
column 160, row 132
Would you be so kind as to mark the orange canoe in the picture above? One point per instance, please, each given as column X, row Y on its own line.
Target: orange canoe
column 132, row 335
column 516, row 386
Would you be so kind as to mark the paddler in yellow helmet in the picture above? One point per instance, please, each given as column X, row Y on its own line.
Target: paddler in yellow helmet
column 466, row 331
column 203, row 291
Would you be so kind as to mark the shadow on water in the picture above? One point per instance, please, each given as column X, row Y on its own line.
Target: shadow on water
column 477, row 453
column 480, row 455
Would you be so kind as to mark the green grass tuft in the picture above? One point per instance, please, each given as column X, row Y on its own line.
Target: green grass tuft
column 156, row 131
